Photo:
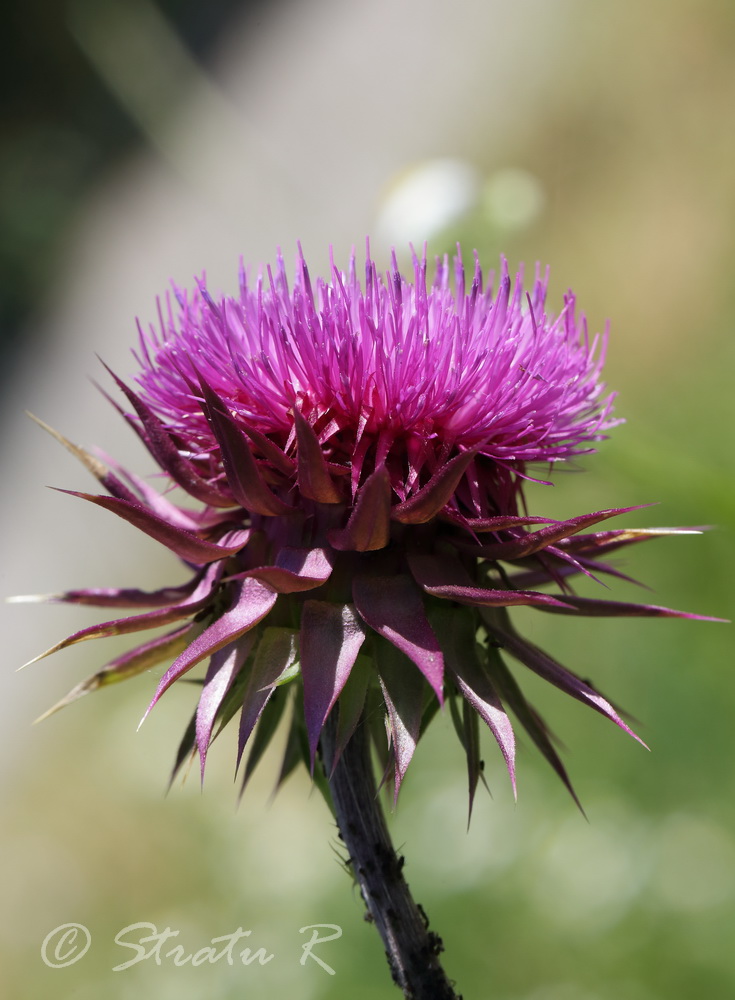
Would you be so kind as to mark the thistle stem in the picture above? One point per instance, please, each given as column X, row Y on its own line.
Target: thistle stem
column 412, row 950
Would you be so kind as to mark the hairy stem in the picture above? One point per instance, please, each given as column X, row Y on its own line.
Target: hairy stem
column 412, row 950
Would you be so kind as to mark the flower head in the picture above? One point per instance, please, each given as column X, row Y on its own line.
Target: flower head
column 358, row 450
column 387, row 373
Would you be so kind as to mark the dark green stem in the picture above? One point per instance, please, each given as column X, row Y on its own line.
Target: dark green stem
column 412, row 950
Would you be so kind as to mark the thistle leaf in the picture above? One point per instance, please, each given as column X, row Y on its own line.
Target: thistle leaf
column 268, row 720
column 620, row 609
column 485, row 524
column 534, row 541
column 446, row 578
column 434, row 496
column 94, row 465
column 528, row 718
column 457, row 633
column 352, row 702
column 295, row 570
column 129, row 664
column 315, row 480
column 126, row 597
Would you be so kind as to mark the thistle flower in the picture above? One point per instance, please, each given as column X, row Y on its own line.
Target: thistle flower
column 358, row 451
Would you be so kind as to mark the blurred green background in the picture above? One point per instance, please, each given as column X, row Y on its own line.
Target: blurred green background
column 621, row 176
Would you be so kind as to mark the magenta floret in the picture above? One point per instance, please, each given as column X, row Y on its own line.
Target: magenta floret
column 388, row 371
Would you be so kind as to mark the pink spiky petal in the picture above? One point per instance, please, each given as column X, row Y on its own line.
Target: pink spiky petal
column 250, row 603
column 189, row 605
column 182, row 543
column 393, row 607
column 548, row 668
column 331, row 637
column 276, row 652
column 157, row 439
column 243, row 476
column 403, row 693
column 368, row 528
column 224, row 667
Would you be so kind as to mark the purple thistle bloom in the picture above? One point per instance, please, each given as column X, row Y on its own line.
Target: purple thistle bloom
column 358, row 451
